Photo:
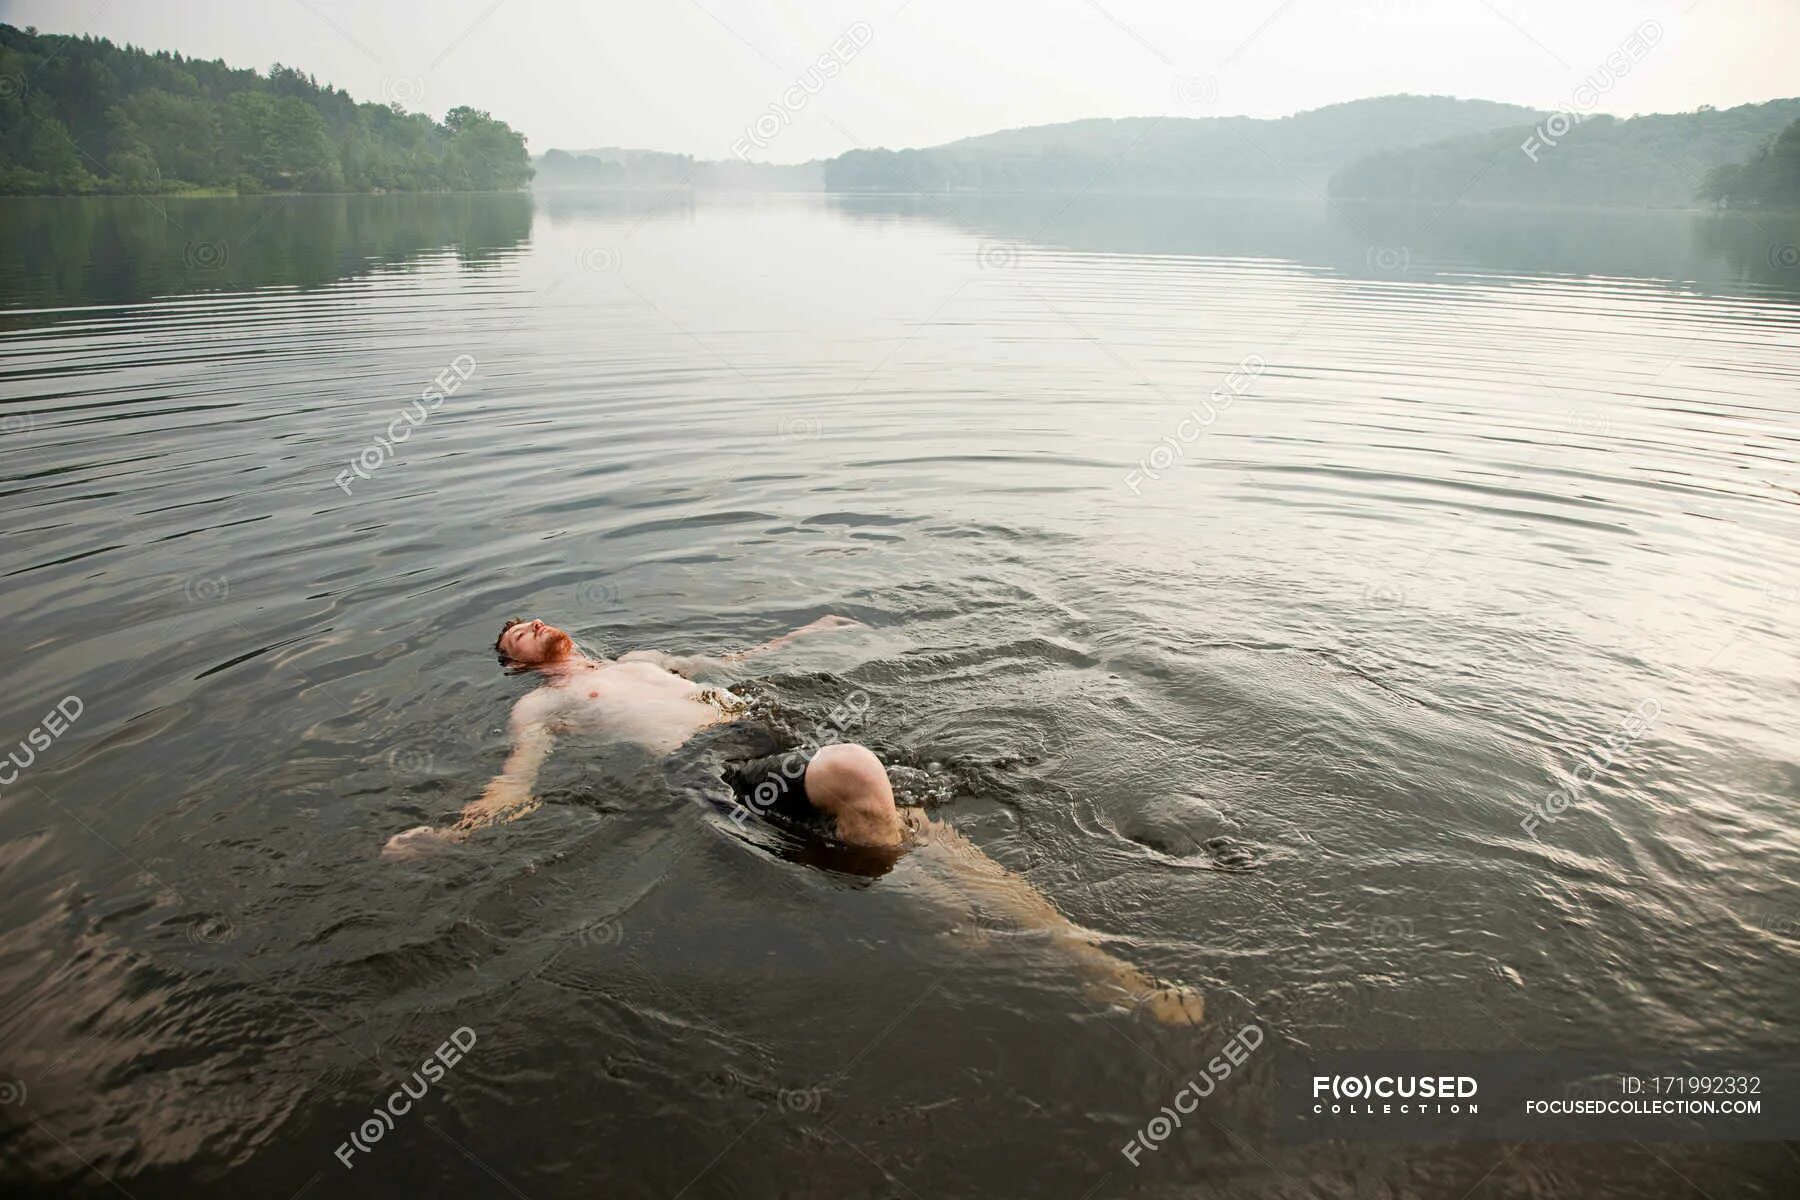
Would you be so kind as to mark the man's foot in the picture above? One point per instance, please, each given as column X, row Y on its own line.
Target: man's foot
column 1173, row 1004
column 1169, row 1003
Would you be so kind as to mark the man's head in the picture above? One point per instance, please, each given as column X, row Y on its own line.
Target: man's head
column 525, row 643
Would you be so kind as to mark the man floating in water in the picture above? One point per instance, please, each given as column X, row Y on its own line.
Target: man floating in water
column 645, row 696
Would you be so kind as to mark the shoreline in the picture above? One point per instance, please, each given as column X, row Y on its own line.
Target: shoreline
column 1327, row 202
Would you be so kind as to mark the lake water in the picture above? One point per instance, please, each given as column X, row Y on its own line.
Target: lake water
column 1247, row 576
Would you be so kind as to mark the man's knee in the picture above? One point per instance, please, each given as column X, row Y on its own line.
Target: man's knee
column 848, row 782
column 846, row 772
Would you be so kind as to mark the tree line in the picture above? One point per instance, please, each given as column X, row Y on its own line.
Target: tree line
column 1771, row 179
column 81, row 115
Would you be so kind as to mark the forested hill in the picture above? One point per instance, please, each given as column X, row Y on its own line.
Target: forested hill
column 1661, row 160
column 83, row 115
column 1770, row 179
column 1227, row 156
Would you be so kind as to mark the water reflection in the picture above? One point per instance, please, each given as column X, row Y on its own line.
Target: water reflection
column 1270, row 721
column 1713, row 251
column 61, row 253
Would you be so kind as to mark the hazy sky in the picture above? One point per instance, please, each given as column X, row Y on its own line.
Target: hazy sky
column 695, row 75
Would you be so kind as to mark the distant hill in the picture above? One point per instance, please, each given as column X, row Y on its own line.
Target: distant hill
column 1223, row 156
column 83, row 115
column 1660, row 160
column 617, row 167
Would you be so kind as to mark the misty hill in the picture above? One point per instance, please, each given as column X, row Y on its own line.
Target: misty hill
column 617, row 167
column 83, row 115
column 1225, row 156
column 1659, row 160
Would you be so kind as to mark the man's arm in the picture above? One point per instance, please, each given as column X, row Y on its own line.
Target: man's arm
column 508, row 796
column 687, row 664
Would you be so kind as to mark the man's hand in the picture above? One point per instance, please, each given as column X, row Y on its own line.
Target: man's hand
column 419, row 841
column 504, row 799
column 831, row 621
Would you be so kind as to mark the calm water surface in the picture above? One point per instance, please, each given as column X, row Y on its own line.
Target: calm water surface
column 1263, row 698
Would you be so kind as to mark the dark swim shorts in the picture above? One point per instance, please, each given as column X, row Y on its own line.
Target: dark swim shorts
column 766, row 769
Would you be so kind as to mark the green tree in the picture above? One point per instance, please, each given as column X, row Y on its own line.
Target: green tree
column 485, row 154
column 81, row 114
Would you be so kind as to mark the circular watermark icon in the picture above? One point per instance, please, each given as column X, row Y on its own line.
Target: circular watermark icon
column 406, row 91
column 1590, row 424
column 12, row 1091
column 1785, row 257
column 601, row 933
column 800, row 429
column 205, row 589
column 411, row 758
column 214, row 930
column 1197, row 89
column 596, row 593
column 997, row 256
column 1393, row 259
column 204, row 256
column 1391, row 929
column 1387, row 595
column 599, row 259
column 801, row 1100
column 17, row 423
column 12, row 87
column 1787, row 927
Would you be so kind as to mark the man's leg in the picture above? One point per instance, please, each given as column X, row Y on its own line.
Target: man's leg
column 848, row 782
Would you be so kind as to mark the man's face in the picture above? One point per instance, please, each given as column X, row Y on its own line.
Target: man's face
column 533, row 643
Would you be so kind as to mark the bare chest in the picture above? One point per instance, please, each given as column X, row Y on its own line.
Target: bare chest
column 640, row 701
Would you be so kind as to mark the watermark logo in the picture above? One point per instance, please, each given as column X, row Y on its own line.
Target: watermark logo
column 1385, row 595
column 794, row 98
column 1389, row 260
column 601, row 933
column 801, row 1100
column 1217, row 1070
column 997, row 256
column 205, row 589
column 1188, row 430
column 398, row 1103
column 407, row 92
column 1368, row 1095
column 12, row 1091
column 596, row 593
column 1391, row 929
column 38, row 739
column 1590, row 424
column 411, row 758
column 1201, row 90
column 211, row 931
column 793, row 764
column 204, row 256
column 1597, row 761
column 432, row 398
column 1587, row 93
column 599, row 260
